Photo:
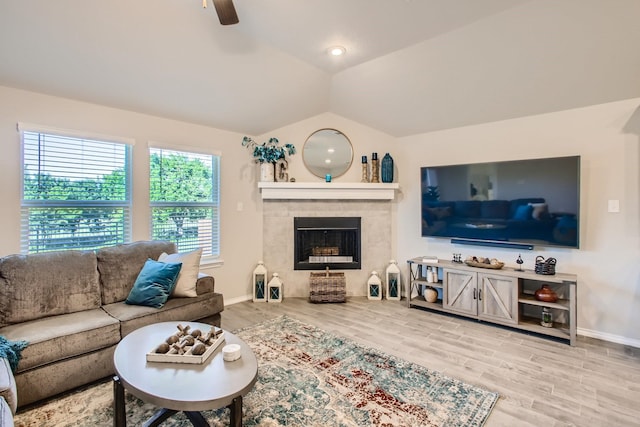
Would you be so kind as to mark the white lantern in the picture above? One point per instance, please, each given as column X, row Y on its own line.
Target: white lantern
column 275, row 289
column 374, row 287
column 392, row 284
column 259, row 283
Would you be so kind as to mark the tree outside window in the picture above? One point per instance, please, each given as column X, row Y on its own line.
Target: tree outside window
column 184, row 189
column 75, row 192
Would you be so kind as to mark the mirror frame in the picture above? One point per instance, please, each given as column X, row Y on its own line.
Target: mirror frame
column 345, row 164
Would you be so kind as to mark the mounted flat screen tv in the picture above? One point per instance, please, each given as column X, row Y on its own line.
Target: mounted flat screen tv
column 520, row 204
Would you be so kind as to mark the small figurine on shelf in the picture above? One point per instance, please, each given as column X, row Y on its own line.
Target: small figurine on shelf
column 365, row 170
column 519, row 261
column 547, row 318
column 375, row 168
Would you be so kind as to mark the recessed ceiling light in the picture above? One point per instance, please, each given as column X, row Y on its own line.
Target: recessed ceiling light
column 337, row 50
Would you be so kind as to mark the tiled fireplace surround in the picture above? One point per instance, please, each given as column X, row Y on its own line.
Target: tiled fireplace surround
column 278, row 236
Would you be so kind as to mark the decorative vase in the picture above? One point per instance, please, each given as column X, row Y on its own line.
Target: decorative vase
column 430, row 295
column 387, row 168
column 267, row 172
column 546, row 294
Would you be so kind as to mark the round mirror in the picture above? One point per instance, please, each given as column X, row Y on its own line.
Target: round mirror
column 327, row 152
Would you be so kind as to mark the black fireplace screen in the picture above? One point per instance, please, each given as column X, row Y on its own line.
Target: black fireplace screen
column 321, row 242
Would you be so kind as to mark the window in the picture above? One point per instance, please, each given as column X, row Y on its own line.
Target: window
column 76, row 192
column 184, row 195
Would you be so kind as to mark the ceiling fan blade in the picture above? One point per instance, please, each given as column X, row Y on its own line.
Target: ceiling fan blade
column 226, row 12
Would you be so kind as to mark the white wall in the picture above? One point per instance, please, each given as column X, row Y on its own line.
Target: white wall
column 608, row 261
column 606, row 136
column 241, row 231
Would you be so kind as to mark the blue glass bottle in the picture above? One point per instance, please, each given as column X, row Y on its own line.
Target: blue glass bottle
column 387, row 168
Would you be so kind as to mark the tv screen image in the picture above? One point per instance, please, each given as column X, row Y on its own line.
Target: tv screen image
column 533, row 202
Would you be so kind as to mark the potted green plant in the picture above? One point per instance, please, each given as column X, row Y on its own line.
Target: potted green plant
column 267, row 154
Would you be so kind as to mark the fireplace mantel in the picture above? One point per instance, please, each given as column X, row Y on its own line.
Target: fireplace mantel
column 327, row 190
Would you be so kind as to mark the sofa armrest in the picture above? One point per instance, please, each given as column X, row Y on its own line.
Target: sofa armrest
column 205, row 284
column 8, row 385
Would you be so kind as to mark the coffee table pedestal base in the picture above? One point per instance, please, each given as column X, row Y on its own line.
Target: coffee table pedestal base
column 196, row 418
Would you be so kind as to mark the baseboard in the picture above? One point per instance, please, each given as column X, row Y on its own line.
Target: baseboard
column 236, row 300
column 609, row 337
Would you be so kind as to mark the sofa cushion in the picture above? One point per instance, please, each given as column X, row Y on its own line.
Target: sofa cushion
column 132, row 317
column 47, row 284
column 495, row 209
column 523, row 212
column 8, row 385
column 55, row 338
column 186, row 283
column 120, row 265
column 515, row 203
column 66, row 374
column 440, row 213
column 154, row 283
column 467, row 209
column 540, row 211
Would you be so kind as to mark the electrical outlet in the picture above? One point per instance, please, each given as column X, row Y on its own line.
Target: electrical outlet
column 614, row 206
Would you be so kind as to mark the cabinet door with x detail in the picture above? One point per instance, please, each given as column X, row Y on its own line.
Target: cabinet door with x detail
column 460, row 289
column 498, row 298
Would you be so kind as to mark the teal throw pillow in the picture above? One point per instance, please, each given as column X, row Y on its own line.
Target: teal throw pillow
column 523, row 212
column 154, row 283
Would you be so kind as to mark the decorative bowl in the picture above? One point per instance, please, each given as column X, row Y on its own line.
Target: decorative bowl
column 495, row 266
column 546, row 294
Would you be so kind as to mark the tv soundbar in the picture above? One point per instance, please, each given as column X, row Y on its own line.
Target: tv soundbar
column 493, row 243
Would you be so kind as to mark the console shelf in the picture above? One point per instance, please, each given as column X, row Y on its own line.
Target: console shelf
column 504, row 296
column 561, row 304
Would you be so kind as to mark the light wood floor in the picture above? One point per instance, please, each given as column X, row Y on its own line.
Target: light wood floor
column 541, row 382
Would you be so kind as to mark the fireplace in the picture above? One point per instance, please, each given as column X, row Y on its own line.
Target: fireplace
column 326, row 242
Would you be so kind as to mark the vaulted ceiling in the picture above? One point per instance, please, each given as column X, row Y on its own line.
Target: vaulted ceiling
column 412, row 66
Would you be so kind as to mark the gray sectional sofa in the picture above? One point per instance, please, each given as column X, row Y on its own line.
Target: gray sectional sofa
column 69, row 306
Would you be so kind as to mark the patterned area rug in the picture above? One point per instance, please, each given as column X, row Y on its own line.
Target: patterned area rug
column 307, row 377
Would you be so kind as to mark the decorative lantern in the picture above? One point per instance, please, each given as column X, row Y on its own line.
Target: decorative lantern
column 374, row 287
column 259, row 283
column 393, row 287
column 275, row 289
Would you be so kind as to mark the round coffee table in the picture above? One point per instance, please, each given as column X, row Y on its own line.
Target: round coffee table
column 176, row 387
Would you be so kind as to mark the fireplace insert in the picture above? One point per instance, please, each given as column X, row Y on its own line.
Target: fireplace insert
column 326, row 242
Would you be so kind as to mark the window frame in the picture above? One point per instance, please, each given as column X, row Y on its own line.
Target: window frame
column 215, row 204
column 26, row 205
